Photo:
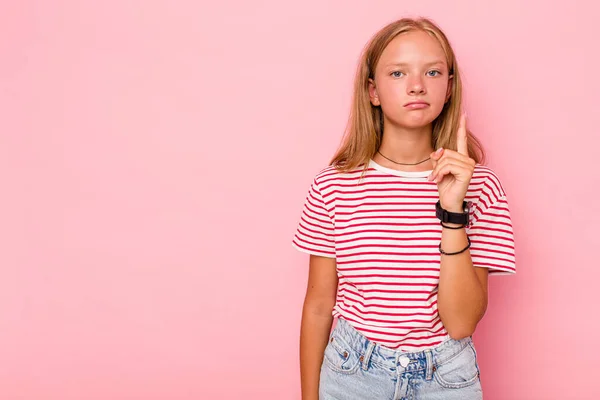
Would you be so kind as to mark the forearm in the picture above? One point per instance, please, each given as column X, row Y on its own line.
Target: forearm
column 314, row 333
column 462, row 300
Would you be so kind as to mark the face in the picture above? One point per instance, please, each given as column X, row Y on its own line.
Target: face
column 411, row 82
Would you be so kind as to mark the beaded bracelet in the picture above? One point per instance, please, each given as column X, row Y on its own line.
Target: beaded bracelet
column 458, row 252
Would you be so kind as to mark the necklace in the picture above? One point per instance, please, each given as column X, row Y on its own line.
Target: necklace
column 420, row 162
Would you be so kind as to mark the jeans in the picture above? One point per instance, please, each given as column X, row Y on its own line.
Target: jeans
column 356, row 368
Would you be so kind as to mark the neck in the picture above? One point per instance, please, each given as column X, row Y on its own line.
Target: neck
column 407, row 146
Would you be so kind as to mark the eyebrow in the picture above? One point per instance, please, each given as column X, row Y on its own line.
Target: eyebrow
column 401, row 64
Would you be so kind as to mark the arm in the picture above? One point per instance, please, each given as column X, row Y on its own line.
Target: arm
column 463, row 289
column 316, row 322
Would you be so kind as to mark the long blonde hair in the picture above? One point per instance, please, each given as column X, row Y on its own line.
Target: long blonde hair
column 364, row 130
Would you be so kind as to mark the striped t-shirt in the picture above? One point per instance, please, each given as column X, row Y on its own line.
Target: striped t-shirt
column 384, row 234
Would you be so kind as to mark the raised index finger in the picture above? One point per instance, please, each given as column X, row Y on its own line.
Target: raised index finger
column 461, row 138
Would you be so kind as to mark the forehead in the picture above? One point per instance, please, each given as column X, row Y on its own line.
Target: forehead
column 415, row 47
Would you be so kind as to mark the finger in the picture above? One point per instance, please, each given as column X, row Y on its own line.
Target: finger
column 442, row 165
column 435, row 156
column 458, row 171
column 456, row 156
column 461, row 138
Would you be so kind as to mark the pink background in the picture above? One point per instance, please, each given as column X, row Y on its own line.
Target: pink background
column 155, row 155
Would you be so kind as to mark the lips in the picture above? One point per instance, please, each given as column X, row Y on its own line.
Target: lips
column 416, row 105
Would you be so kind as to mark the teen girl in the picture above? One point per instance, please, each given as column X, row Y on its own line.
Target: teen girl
column 401, row 236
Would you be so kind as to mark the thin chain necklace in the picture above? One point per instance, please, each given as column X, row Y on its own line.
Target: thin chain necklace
column 420, row 162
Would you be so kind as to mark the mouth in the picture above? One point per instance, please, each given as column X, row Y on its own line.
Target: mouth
column 416, row 104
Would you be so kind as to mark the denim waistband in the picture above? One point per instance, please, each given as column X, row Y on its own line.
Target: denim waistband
column 370, row 351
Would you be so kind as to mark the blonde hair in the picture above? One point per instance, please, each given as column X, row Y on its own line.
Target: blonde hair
column 364, row 129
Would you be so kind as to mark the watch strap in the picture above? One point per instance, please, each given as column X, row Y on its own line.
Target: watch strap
column 452, row 217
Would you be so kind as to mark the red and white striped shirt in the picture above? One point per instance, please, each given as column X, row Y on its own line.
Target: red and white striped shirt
column 384, row 234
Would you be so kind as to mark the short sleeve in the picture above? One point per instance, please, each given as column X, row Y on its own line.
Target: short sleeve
column 492, row 239
column 315, row 231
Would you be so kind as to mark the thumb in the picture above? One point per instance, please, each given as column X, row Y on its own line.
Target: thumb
column 437, row 154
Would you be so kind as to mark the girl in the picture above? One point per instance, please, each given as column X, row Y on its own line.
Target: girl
column 401, row 237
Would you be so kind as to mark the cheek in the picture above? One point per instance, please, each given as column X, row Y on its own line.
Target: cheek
column 437, row 96
column 391, row 95
column 438, row 92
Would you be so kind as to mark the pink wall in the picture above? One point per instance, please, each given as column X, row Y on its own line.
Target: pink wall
column 154, row 160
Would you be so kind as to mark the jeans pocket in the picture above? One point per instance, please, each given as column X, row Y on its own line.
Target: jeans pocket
column 459, row 371
column 340, row 357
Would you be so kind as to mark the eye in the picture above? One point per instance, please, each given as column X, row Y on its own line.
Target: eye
column 433, row 73
column 395, row 74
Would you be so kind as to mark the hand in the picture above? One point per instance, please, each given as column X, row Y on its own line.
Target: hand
column 452, row 171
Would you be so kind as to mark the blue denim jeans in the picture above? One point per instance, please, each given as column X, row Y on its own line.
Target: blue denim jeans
column 357, row 368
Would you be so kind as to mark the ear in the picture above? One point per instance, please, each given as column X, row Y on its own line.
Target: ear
column 373, row 93
column 449, row 91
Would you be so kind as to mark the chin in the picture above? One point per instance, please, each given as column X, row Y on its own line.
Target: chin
column 414, row 121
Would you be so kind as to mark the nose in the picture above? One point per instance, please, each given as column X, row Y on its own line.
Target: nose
column 416, row 86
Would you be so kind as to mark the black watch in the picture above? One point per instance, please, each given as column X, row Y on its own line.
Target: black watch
column 452, row 217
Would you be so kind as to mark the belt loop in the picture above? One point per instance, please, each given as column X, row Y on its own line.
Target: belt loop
column 429, row 367
column 367, row 356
